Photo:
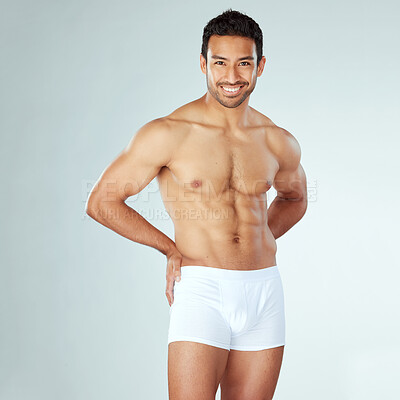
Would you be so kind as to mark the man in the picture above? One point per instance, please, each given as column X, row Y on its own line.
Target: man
column 215, row 158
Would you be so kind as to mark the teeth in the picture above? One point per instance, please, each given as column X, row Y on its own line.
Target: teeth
column 231, row 90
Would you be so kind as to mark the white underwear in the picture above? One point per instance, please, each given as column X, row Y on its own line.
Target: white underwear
column 230, row 309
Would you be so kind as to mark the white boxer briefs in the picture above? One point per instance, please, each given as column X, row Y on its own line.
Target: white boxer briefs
column 230, row 309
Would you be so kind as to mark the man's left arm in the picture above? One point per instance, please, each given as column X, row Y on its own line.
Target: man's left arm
column 290, row 182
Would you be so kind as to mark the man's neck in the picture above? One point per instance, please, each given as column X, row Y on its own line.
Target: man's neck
column 224, row 116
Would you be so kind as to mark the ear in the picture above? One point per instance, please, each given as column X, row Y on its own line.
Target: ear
column 203, row 64
column 260, row 67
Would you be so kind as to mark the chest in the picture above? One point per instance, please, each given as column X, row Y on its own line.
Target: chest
column 212, row 164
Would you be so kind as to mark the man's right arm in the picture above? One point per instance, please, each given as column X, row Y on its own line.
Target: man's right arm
column 133, row 169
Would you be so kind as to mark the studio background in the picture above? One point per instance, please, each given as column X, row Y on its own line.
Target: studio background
column 83, row 310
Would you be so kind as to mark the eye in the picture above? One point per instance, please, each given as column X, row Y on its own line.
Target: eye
column 218, row 62
column 245, row 62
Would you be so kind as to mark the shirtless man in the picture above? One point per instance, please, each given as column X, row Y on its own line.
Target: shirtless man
column 215, row 158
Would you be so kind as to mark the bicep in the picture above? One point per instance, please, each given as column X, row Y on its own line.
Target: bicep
column 137, row 165
column 291, row 184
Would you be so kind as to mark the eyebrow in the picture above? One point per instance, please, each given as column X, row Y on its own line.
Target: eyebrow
column 239, row 59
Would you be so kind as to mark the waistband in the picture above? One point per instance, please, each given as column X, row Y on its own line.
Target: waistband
column 229, row 274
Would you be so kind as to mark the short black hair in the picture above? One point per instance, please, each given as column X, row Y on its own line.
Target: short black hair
column 233, row 23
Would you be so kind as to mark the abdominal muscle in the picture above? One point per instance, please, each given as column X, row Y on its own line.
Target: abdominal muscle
column 223, row 237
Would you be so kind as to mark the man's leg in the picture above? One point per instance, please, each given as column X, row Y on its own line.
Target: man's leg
column 251, row 375
column 195, row 370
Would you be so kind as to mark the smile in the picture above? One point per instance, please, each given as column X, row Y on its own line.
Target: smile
column 231, row 90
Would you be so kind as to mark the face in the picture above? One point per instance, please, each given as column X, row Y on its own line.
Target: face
column 231, row 71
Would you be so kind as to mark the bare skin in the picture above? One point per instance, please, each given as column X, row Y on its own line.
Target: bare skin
column 214, row 158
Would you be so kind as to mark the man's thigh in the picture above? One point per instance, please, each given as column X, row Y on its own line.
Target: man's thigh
column 194, row 370
column 251, row 375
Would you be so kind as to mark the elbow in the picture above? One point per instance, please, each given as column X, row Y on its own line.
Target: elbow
column 304, row 204
column 98, row 206
column 92, row 206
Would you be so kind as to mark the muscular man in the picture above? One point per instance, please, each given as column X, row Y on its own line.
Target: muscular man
column 215, row 158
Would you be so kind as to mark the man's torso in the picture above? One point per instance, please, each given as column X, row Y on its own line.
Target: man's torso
column 215, row 189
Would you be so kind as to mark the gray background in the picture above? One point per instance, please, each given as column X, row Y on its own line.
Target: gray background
column 83, row 310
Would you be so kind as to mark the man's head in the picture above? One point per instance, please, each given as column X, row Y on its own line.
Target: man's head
column 231, row 57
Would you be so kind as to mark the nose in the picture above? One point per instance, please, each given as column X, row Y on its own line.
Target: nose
column 232, row 75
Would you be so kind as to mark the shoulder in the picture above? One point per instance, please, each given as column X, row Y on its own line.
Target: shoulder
column 155, row 140
column 153, row 131
column 284, row 146
column 157, row 133
column 169, row 132
column 187, row 115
